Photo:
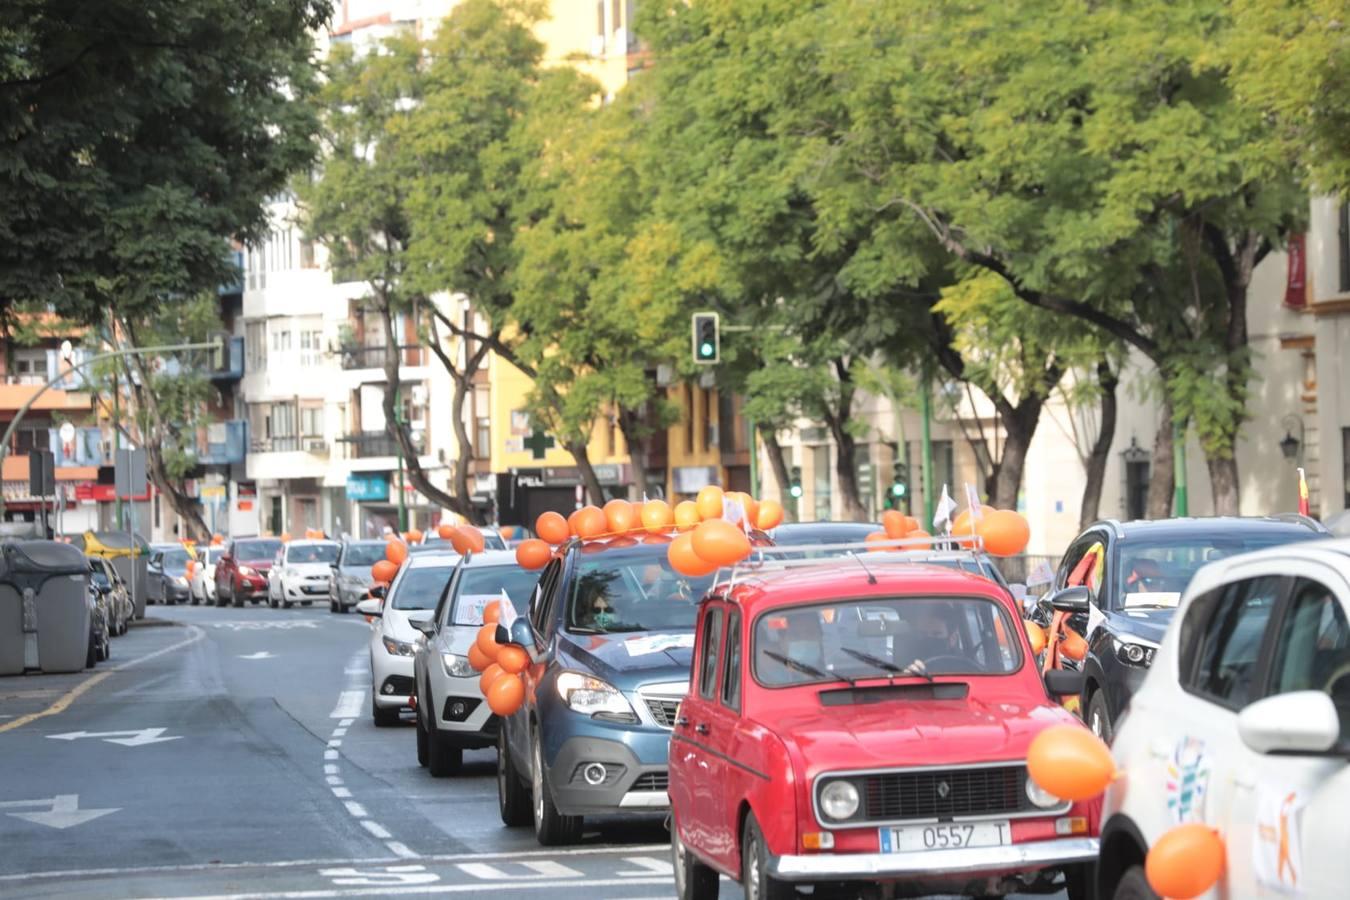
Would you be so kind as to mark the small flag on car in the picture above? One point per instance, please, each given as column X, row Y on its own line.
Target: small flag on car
column 942, row 517
column 1303, row 507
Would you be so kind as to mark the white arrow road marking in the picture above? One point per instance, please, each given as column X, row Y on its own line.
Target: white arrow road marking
column 261, row 654
column 63, row 811
column 388, row 875
column 349, row 705
column 132, row 738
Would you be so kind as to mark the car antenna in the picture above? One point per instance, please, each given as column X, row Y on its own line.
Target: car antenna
column 871, row 579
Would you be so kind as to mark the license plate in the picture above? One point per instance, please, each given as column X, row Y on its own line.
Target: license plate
column 909, row 838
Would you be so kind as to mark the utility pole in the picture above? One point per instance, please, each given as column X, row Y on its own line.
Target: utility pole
column 117, row 445
column 926, row 410
column 398, row 445
column 1182, row 504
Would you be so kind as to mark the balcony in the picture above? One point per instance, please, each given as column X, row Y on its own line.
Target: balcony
column 372, row 444
column 225, row 443
column 357, row 357
column 235, row 364
column 85, row 450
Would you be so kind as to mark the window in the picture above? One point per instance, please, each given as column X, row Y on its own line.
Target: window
column 1345, row 464
column 281, row 340
column 1343, row 243
column 688, row 417
column 616, row 15
column 311, row 421
column 255, row 345
column 311, row 347
column 307, row 255
column 1155, row 575
column 712, row 646
column 710, row 428
column 1314, row 649
column 282, row 423
column 1223, row 635
column 820, row 477
column 483, row 437
column 1137, row 476
column 539, row 607
column 731, row 675
column 30, row 367
column 944, row 467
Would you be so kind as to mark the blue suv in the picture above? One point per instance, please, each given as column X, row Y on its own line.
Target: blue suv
column 610, row 631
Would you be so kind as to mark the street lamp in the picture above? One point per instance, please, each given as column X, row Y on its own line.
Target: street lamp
column 1291, row 446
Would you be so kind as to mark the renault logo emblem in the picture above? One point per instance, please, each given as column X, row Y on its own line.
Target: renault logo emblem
column 943, row 789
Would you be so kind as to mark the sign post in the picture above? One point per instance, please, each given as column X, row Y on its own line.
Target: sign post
column 129, row 482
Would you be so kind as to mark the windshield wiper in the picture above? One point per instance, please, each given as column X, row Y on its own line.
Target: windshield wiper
column 871, row 660
column 806, row 668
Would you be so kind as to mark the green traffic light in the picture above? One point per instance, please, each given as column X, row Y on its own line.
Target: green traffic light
column 897, row 490
column 705, row 350
column 795, row 490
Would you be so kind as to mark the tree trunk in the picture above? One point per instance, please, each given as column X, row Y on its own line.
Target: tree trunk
column 1162, row 483
column 1223, row 480
column 1100, row 454
column 594, row 492
column 633, row 434
column 781, row 474
column 1018, row 430
column 845, row 446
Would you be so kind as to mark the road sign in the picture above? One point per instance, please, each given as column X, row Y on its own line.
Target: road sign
column 126, row 738
column 41, row 473
column 129, row 474
column 62, row 811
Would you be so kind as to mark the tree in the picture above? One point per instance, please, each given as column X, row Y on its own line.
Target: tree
column 140, row 136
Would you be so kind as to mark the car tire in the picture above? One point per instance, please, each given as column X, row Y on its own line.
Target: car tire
column 235, row 599
column 755, row 878
column 1080, row 882
column 91, row 656
column 332, row 605
column 222, row 598
column 1133, row 885
column 384, row 718
column 307, row 602
column 423, row 750
column 513, row 797
column 442, row 759
column 693, row 880
column 1099, row 717
column 551, row 828
column 286, row 604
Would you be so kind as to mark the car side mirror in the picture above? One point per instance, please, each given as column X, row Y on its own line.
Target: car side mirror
column 1064, row 682
column 378, row 591
column 1297, row 722
column 1072, row 600
column 371, row 607
column 521, row 635
column 426, row 626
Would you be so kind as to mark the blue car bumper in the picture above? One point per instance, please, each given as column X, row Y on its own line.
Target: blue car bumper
column 604, row 768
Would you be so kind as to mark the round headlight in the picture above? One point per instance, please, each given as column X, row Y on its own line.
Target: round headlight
column 1040, row 796
column 839, row 800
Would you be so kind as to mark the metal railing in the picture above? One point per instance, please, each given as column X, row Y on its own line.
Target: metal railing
column 357, row 357
column 369, row 444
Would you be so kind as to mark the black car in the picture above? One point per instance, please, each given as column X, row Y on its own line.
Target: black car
column 1135, row 573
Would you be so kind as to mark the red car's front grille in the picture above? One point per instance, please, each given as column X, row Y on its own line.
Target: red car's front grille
column 945, row 793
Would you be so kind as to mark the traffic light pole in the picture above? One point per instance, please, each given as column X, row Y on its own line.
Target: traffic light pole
column 926, row 410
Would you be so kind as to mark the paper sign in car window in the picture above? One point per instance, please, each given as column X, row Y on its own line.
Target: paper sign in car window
column 469, row 609
column 657, row 643
column 1277, row 844
column 1167, row 599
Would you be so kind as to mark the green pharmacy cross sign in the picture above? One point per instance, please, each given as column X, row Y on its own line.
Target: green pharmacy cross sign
column 538, row 443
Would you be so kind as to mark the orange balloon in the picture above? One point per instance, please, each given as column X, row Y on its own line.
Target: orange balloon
column 962, row 524
column 657, row 539
column 719, row 542
column 709, row 502
column 384, row 571
column 911, row 524
column 572, row 521
column 770, row 515
column 508, row 532
column 620, row 517
column 478, row 660
column 916, row 535
column 533, row 554
column 191, row 567
column 748, row 504
column 876, row 537
column 552, row 528
column 1004, row 532
column 1070, row 762
column 492, row 613
column 487, row 641
column 1072, row 645
column 591, row 522
column 506, row 694
column 285, row 537
column 1036, row 635
column 445, row 532
column 686, row 515
column 657, row 515
column 894, row 522
column 684, row 560
column 490, row 674
column 413, row 536
column 473, row 539
column 396, row 552
column 513, row 659
column 1185, row 862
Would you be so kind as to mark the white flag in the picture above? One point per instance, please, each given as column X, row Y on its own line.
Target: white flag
column 734, row 512
column 973, row 501
column 942, row 517
column 506, row 611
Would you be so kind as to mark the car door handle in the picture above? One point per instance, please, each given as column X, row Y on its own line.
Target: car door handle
column 701, row 728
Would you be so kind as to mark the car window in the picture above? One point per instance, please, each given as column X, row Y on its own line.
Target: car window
column 476, row 587
column 420, row 588
column 539, row 600
column 311, row 553
column 176, row 559
column 1313, row 652
column 631, row 589
column 1156, row 574
column 362, row 554
column 1223, row 638
column 712, row 646
column 248, row 550
column 731, row 672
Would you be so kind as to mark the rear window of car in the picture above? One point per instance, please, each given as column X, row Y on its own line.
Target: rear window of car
column 176, row 559
column 312, row 553
column 362, row 554
column 479, row 586
column 256, row 549
column 1155, row 574
column 631, row 589
column 420, row 588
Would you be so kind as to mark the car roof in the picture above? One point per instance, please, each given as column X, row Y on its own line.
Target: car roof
column 821, row 532
column 1217, row 526
column 492, row 558
column 430, row 560
column 312, row 542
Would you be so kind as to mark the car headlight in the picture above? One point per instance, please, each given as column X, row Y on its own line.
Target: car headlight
column 1132, row 653
column 398, row 648
column 1040, row 796
column 246, row 570
column 457, row 666
column 593, row 697
column 839, row 800
column 181, row 581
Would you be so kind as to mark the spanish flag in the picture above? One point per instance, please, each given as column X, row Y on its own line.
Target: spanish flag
column 1302, row 494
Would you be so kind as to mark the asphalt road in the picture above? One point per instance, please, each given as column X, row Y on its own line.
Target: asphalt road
column 230, row 753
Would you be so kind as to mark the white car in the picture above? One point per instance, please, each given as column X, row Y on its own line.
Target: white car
column 414, row 593
column 1243, row 724
column 302, row 573
column 451, row 714
column 202, row 588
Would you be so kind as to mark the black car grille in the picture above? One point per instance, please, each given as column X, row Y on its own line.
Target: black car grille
column 945, row 793
column 651, row 781
column 662, row 710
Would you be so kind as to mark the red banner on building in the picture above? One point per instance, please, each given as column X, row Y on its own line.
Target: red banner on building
column 1296, row 285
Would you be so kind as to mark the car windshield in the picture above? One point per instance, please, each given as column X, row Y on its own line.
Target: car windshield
column 256, row 550
column 899, row 637
column 211, row 555
column 420, row 588
column 629, row 589
column 176, row 560
column 1155, row 575
column 363, row 554
column 312, row 553
column 480, row 585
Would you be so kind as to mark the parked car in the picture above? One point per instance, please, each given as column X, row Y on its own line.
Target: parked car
column 100, row 645
column 413, row 594
column 167, row 574
column 611, row 627
column 851, row 724
column 302, row 572
column 1136, row 573
column 351, row 573
column 202, row 585
column 452, row 715
column 1243, row 724
column 104, row 580
column 152, row 594
column 241, row 571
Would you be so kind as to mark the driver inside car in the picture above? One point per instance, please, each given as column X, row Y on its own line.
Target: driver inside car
column 933, row 636
column 796, row 654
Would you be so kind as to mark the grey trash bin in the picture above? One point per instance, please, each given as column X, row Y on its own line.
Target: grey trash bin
column 12, row 626
column 50, row 580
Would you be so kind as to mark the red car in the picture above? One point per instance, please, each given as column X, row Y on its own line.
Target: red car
column 866, row 727
column 241, row 571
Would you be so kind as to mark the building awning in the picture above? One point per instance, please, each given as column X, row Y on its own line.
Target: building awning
column 14, row 396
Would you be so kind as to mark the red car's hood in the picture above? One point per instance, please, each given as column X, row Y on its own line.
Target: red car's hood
column 915, row 733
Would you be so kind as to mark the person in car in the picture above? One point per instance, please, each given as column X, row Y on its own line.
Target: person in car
column 934, row 635
column 796, row 653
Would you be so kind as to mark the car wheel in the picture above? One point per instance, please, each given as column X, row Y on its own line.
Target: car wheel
column 384, row 718
column 693, row 880
column 235, row 599
column 287, row 604
column 755, row 878
column 551, row 828
column 513, row 800
column 307, row 602
column 332, row 605
column 422, row 741
column 1099, row 717
column 1132, row 886
column 91, row 657
column 442, row 759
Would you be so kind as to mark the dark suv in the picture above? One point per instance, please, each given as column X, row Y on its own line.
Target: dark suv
column 1135, row 573
column 611, row 631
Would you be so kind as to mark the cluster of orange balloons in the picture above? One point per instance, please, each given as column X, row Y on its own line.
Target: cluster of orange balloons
column 464, row 538
column 1002, row 531
column 500, row 665
column 896, row 526
column 217, row 540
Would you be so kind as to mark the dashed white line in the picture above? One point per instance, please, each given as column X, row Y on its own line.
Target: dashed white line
column 334, row 743
column 376, row 829
column 333, row 779
column 356, row 809
column 341, row 793
column 349, row 705
column 400, row 849
column 330, row 769
column 346, row 723
column 330, row 754
column 339, row 732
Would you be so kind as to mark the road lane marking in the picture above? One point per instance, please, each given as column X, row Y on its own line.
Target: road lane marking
column 346, row 723
column 420, row 889
column 330, row 754
column 544, row 868
column 333, row 779
column 335, row 743
column 70, row 696
column 401, row 850
column 349, row 705
column 136, row 738
column 341, row 793
column 356, row 809
column 330, row 769
column 648, row 866
column 376, row 829
column 63, row 811
column 339, row 732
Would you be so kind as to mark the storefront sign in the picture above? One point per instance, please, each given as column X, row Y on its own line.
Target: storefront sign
column 368, row 487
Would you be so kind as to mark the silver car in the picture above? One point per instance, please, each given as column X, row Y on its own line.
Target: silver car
column 351, row 573
column 452, row 715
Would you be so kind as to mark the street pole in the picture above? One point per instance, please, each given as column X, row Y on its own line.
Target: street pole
column 925, row 408
column 117, row 445
column 398, row 445
column 754, row 457
column 1182, row 503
